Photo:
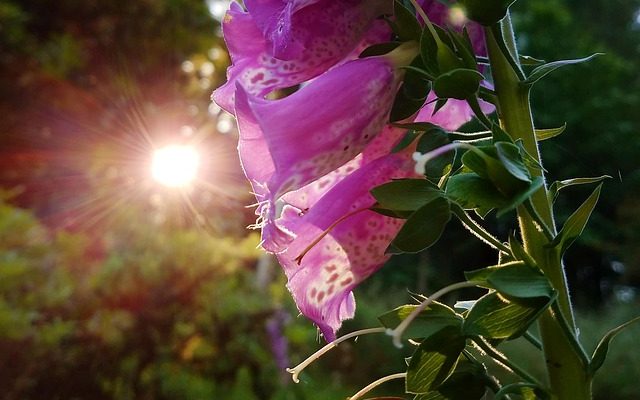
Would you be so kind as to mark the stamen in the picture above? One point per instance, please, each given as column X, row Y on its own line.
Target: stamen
column 372, row 385
column 295, row 371
column 325, row 233
column 396, row 333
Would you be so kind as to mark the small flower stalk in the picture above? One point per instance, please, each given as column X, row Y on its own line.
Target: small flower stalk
column 360, row 159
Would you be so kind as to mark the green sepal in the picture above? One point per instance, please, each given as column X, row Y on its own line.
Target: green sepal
column 497, row 317
column 412, row 93
column 471, row 191
column 434, row 360
column 379, row 49
column 423, row 228
column 530, row 61
column 545, row 69
column 460, row 83
column 511, row 158
column 431, row 140
column 527, row 391
column 486, row 12
column 405, row 25
column 405, row 194
column 514, row 280
column 600, row 353
column 522, row 196
column 467, row 382
column 544, row 134
column 409, row 137
column 576, row 223
column 464, row 48
column 557, row 186
column 432, row 319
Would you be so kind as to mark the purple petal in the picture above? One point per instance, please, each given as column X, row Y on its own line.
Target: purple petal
column 319, row 34
column 453, row 115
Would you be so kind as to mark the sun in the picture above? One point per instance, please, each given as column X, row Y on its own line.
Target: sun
column 175, row 165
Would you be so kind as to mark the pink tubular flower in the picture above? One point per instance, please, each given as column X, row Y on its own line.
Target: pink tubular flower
column 279, row 43
column 313, row 157
column 286, row 144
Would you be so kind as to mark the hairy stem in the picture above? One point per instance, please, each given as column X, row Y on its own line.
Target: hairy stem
column 567, row 374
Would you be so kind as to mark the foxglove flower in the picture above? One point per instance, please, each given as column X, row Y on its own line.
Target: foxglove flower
column 313, row 157
column 278, row 44
column 288, row 143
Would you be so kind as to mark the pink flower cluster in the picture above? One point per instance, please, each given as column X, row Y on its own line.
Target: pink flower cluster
column 312, row 157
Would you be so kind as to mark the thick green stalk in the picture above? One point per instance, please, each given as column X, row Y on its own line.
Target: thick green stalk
column 566, row 368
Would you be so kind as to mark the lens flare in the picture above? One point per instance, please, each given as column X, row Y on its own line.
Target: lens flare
column 175, row 166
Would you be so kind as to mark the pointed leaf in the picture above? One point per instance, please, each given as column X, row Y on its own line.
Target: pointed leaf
column 406, row 140
column 432, row 140
column 458, row 84
column 496, row 317
column 544, row 134
column 405, row 25
column 471, row 191
column 423, row 228
column 434, row 318
column 602, row 348
column 511, row 159
column 520, row 281
column 556, row 186
column 522, row 196
column 528, row 391
column 467, row 382
column 545, row 69
column 576, row 223
column 434, row 360
column 406, row 194
column 379, row 49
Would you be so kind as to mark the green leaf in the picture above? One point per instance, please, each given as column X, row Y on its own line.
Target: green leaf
column 405, row 25
column 429, row 52
column 406, row 140
column 519, row 252
column 522, row 196
column 600, row 353
column 434, row 360
column 499, row 134
column 528, row 391
column 481, row 275
column 556, row 186
column 431, row 320
column 530, row 61
column 423, row 228
column 406, row 194
column 511, row 159
column 544, row 134
column 520, row 281
column 412, row 93
column 496, row 317
column 467, row 382
column 460, row 83
column 432, row 140
column 379, row 49
column 486, row 12
column 545, row 69
column 471, row 191
column 576, row 223
column 464, row 48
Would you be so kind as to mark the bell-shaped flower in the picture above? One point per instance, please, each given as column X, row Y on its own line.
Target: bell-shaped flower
column 288, row 143
column 337, row 241
column 278, row 44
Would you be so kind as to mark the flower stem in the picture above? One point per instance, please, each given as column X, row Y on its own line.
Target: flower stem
column 295, row 371
column 504, row 361
column 567, row 374
column 396, row 333
column 374, row 384
column 478, row 231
